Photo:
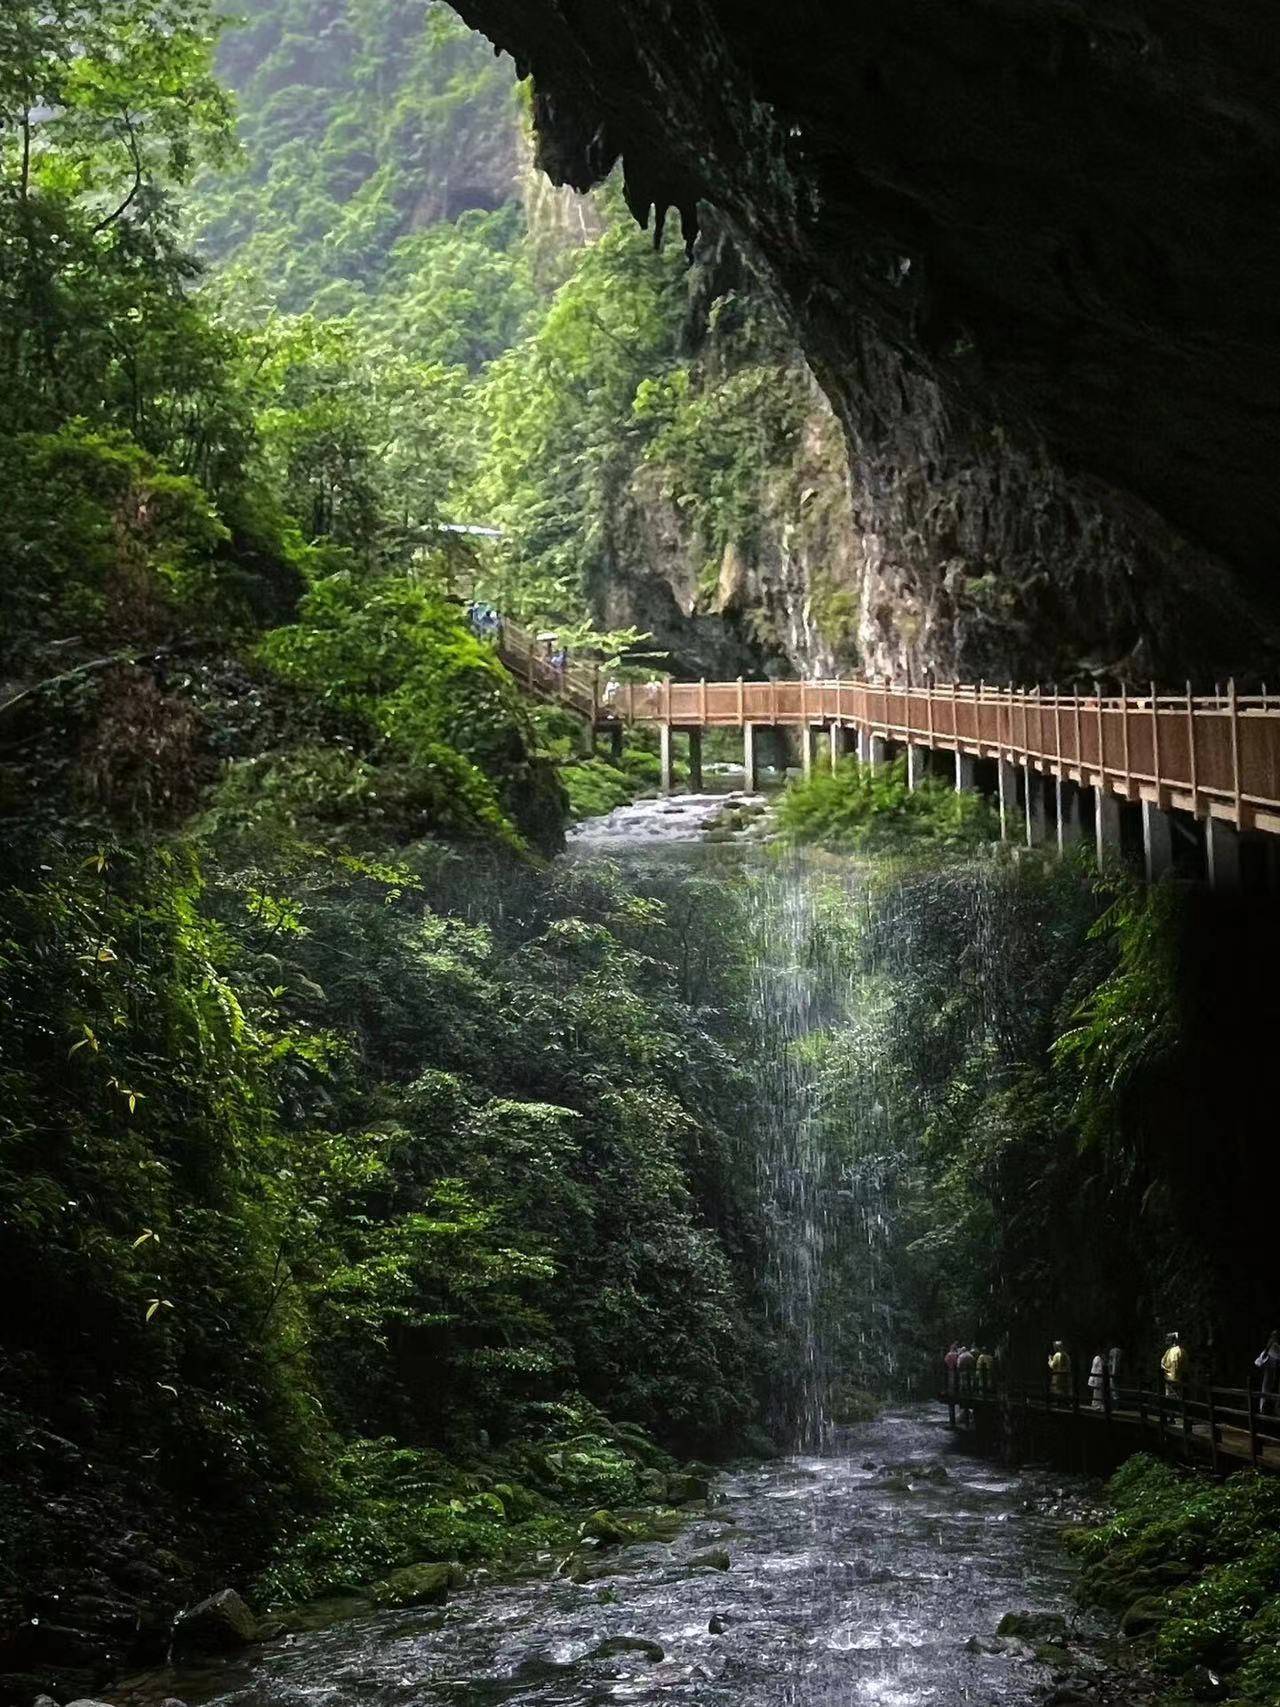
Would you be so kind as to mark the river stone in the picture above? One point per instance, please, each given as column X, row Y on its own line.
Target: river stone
column 416, row 1585
column 83, row 1701
column 604, row 1527
column 221, row 1622
column 1146, row 1614
column 714, row 1559
column 683, row 1489
column 640, row 1645
column 1032, row 1626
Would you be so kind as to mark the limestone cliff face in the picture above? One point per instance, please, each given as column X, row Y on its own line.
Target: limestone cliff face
column 1029, row 254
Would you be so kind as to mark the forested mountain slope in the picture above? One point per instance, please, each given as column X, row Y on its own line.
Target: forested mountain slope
column 646, row 435
column 304, row 1141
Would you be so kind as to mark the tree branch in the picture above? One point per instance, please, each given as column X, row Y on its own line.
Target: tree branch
column 137, row 179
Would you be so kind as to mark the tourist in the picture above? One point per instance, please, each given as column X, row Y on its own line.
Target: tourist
column 953, row 1353
column 1268, row 1361
column 1097, row 1381
column 1174, row 1366
column 1059, row 1371
column 986, row 1374
column 965, row 1362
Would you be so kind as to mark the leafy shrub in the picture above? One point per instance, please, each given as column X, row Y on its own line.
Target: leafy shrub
column 1227, row 1536
column 869, row 809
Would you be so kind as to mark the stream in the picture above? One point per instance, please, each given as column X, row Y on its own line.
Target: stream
column 871, row 1566
column 875, row 1574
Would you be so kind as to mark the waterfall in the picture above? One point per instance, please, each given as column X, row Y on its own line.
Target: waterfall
column 822, row 1181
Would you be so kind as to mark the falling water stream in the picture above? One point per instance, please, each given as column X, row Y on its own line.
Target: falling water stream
column 871, row 1565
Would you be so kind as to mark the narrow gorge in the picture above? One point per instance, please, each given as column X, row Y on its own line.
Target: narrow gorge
column 638, row 879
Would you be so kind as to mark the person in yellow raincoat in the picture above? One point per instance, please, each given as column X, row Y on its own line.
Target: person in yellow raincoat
column 1174, row 1365
column 1060, row 1371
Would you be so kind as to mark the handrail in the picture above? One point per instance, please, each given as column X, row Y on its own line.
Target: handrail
column 1215, row 754
column 1195, row 1415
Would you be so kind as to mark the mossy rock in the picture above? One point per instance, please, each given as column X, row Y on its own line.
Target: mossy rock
column 417, row 1585
column 713, row 1559
column 653, row 1486
column 1145, row 1616
column 604, row 1527
column 1032, row 1626
column 684, row 1489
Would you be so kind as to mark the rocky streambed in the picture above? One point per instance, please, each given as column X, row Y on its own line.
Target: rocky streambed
column 896, row 1572
column 727, row 816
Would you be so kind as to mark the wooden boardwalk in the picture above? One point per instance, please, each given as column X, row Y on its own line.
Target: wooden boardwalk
column 1201, row 769
column 1208, row 755
column 1222, row 1427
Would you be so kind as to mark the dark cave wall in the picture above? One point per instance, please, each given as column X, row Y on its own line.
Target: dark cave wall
column 1030, row 253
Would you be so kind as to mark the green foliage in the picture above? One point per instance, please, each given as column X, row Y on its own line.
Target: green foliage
column 1125, row 1027
column 1221, row 1538
column 870, row 809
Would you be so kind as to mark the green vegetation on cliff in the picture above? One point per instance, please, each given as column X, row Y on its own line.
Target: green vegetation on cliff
column 1193, row 1569
column 368, row 1194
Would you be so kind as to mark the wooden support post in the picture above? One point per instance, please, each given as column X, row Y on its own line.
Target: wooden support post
column 615, row 742
column 1157, row 841
column 750, row 767
column 839, row 735
column 1222, row 852
column 664, row 757
column 695, row 761
column 1037, row 818
column 1254, row 1451
column 1007, row 781
column 1233, row 707
column 1191, row 751
column 742, row 703
column 1157, row 776
column 1106, row 809
column 1213, row 1432
column 702, row 702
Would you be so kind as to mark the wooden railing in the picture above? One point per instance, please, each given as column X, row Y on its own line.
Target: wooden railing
column 1204, row 754
column 575, row 685
column 1227, row 1425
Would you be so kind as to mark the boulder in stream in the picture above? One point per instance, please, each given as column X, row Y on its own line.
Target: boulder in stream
column 713, row 1559
column 417, row 1585
column 684, row 1489
column 641, row 1646
column 1032, row 1626
column 217, row 1624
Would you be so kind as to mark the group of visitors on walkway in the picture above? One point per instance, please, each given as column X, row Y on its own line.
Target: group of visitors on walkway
column 484, row 621
column 971, row 1371
column 1105, row 1370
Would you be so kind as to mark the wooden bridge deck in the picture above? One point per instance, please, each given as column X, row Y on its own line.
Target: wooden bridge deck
column 1216, row 757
